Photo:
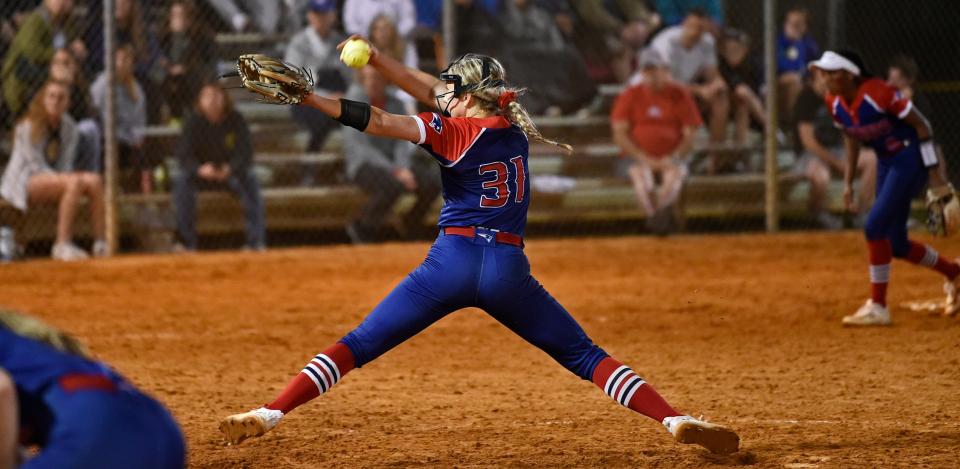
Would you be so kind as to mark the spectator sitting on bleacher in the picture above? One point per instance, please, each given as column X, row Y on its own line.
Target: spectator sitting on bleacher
column 12, row 15
column 654, row 124
column 607, row 34
column 65, row 69
column 383, row 35
column 215, row 152
column 692, row 55
column 742, row 73
column 246, row 15
column 315, row 48
column 795, row 49
column 902, row 74
column 41, row 170
column 131, row 120
column 820, row 153
column 537, row 49
column 185, row 47
column 49, row 27
column 385, row 168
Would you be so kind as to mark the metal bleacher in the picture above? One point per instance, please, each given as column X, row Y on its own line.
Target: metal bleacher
column 596, row 192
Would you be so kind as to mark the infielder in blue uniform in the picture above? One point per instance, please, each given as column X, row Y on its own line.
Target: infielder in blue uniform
column 79, row 412
column 479, row 137
column 872, row 112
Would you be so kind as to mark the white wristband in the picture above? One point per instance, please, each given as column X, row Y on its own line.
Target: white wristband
column 928, row 152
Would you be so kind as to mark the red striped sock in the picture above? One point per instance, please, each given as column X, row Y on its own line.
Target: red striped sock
column 923, row 254
column 630, row 390
column 880, row 257
column 323, row 371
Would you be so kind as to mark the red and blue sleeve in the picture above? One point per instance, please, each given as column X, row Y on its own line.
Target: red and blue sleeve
column 889, row 99
column 446, row 138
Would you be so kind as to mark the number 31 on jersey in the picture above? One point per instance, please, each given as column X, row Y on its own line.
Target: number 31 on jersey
column 498, row 182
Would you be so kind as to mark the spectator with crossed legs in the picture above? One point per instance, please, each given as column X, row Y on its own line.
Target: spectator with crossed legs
column 41, row 170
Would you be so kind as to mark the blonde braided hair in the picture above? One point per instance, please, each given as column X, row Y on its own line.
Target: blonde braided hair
column 489, row 91
column 32, row 328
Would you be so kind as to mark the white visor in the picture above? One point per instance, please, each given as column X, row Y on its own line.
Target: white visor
column 832, row 61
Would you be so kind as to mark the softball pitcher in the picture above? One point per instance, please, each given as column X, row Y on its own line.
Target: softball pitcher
column 872, row 112
column 479, row 136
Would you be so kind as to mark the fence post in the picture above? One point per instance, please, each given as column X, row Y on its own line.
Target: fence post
column 109, row 133
column 449, row 30
column 770, row 137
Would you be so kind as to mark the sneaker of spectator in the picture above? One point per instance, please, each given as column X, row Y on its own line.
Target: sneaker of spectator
column 691, row 52
column 795, row 49
column 653, row 124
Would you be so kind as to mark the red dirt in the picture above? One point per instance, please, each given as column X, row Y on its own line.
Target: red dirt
column 744, row 330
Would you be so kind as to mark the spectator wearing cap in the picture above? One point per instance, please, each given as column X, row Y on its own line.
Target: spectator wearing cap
column 654, row 123
column 691, row 52
column 795, row 48
column 315, row 48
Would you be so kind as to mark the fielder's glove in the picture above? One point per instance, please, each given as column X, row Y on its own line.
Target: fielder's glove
column 276, row 81
column 943, row 210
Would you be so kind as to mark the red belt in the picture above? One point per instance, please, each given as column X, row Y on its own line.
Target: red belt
column 502, row 237
column 84, row 381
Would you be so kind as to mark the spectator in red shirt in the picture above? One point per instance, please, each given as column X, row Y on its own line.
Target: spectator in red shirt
column 654, row 123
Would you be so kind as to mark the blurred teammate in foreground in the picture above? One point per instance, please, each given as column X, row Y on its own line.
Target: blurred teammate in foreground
column 79, row 412
column 479, row 136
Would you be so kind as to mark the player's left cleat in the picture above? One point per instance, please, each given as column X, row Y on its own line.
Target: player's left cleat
column 715, row 438
column 870, row 314
column 239, row 427
column 952, row 304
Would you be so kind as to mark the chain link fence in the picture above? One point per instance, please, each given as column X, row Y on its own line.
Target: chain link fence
column 205, row 166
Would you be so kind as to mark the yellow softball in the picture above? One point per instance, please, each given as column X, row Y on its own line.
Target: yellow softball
column 355, row 53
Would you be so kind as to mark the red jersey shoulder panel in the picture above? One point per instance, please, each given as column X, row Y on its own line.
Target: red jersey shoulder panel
column 451, row 137
column 885, row 97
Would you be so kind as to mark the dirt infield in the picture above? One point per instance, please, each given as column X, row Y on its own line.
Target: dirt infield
column 743, row 330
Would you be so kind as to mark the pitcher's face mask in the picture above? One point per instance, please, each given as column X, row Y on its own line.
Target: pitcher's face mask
column 459, row 88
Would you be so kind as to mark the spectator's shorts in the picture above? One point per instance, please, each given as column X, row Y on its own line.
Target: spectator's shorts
column 802, row 165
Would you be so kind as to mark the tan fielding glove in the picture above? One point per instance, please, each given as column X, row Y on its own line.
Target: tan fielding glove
column 943, row 210
column 276, row 81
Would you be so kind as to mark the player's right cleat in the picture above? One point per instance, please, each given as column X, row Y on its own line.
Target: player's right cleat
column 870, row 314
column 239, row 427
column 715, row 438
column 952, row 304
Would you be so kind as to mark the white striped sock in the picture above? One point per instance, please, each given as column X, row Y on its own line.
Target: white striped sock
column 880, row 273
column 930, row 257
column 622, row 384
column 323, row 371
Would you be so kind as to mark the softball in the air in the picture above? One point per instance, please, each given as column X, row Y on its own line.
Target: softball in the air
column 355, row 53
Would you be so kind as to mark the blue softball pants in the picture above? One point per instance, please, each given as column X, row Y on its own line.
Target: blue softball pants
column 461, row 272
column 900, row 178
column 100, row 429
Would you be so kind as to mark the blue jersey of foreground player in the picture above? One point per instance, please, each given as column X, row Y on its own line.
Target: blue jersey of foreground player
column 484, row 170
column 82, row 414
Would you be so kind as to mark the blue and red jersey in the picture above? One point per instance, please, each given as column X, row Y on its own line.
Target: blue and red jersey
column 36, row 368
column 484, row 170
column 875, row 117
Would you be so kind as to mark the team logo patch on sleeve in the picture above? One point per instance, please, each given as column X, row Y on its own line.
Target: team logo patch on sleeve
column 436, row 124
